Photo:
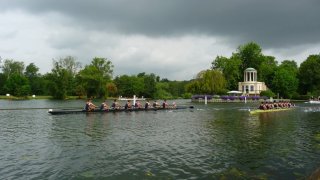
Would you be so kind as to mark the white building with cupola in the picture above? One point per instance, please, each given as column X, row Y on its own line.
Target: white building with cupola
column 250, row 85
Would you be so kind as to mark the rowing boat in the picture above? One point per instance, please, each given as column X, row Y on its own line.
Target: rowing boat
column 314, row 102
column 257, row 111
column 77, row 111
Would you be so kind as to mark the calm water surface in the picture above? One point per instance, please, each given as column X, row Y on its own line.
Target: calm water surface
column 209, row 142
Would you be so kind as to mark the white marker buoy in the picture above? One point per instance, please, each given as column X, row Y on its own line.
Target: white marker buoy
column 205, row 100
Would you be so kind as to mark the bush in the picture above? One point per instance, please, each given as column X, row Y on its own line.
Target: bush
column 304, row 97
column 187, row 95
column 267, row 93
column 216, row 97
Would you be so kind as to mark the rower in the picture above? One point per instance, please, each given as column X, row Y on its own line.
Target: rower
column 261, row 106
column 155, row 104
column 89, row 105
column 115, row 104
column 164, row 104
column 104, row 106
column 127, row 105
column 137, row 105
column 146, row 106
column 174, row 105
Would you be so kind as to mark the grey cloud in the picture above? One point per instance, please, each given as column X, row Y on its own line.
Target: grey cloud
column 173, row 38
column 270, row 23
column 8, row 35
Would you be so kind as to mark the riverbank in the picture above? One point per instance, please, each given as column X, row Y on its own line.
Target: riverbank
column 33, row 97
column 3, row 97
column 242, row 101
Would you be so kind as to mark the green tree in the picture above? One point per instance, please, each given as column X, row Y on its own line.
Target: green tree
column 62, row 77
column 129, row 85
column 309, row 76
column 177, row 88
column 59, row 82
column 31, row 70
column 194, row 87
column 94, row 77
column 3, row 80
column 250, row 55
column 267, row 70
column 285, row 82
column 208, row 82
column 163, row 91
column 17, row 85
column 150, row 81
column 69, row 63
column 230, row 68
column 112, row 89
column 290, row 65
column 267, row 93
column 11, row 67
column 219, row 63
column 36, row 82
column 90, row 80
column 213, row 82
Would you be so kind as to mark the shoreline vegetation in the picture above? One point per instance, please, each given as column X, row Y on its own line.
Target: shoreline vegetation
column 3, row 97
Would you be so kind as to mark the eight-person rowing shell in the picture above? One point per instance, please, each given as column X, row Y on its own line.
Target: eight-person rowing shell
column 272, row 107
column 275, row 105
column 115, row 105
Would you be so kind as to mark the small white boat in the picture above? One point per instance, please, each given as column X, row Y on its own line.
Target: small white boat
column 314, row 102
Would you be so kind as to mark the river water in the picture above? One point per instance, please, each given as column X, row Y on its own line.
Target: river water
column 214, row 141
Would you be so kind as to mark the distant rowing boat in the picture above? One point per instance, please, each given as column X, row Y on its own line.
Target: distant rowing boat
column 257, row 111
column 58, row 112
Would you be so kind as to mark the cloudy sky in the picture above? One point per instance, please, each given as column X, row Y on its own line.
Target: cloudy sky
column 174, row 39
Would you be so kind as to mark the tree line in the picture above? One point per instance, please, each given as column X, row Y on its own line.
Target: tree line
column 69, row 78
column 285, row 78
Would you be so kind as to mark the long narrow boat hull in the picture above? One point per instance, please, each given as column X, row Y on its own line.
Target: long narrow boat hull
column 314, row 102
column 257, row 111
column 58, row 112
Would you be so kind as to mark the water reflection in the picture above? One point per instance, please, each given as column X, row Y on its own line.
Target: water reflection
column 96, row 126
column 217, row 141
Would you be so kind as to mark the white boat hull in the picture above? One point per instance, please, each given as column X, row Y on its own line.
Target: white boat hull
column 314, row 102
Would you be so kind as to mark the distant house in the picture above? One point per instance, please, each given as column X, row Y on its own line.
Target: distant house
column 250, row 85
